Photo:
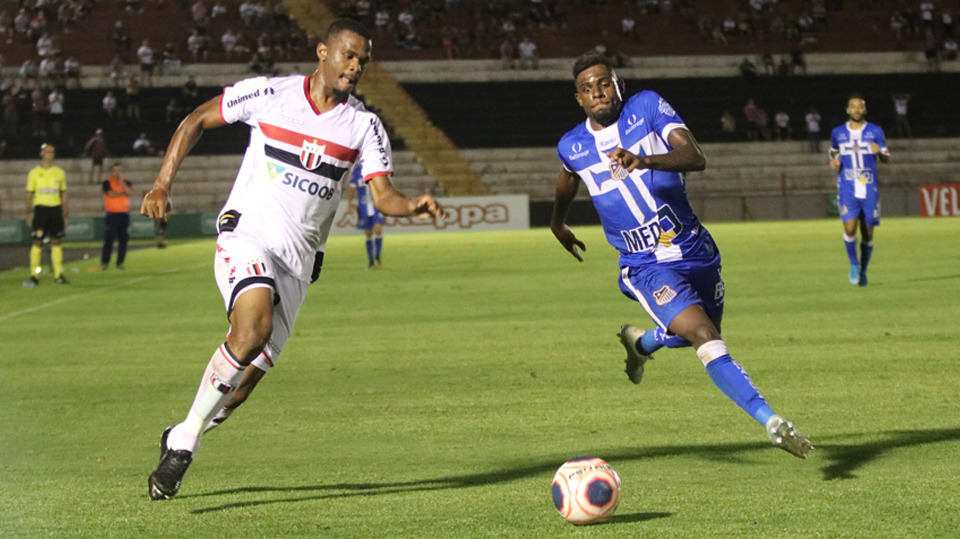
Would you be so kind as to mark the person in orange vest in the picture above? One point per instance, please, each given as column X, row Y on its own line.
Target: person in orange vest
column 116, row 201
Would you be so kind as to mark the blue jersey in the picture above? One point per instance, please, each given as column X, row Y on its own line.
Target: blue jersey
column 857, row 177
column 646, row 215
column 365, row 207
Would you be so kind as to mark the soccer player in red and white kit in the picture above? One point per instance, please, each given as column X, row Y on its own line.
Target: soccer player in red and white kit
column 307, row 133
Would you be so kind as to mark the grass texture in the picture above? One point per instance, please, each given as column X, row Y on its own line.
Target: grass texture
column 437, row 396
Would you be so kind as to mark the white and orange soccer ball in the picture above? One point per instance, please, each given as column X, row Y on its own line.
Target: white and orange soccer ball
column 586, row 490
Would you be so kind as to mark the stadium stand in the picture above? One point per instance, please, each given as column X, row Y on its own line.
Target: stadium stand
column 482, row 110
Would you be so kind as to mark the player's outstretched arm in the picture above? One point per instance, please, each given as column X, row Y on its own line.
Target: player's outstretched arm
column 207, row 116
column 567, row 186
column 686, row 155
column 390, row 202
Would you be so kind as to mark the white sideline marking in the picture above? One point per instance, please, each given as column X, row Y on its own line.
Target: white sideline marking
column 90, row 293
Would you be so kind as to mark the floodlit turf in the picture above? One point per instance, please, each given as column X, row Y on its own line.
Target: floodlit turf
column 437, row 396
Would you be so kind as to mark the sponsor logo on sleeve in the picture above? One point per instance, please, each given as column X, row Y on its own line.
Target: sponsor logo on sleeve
column 665, row 108
column 578, row 151
column 246, row 97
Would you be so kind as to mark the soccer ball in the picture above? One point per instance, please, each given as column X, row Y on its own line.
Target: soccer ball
column 586, row 490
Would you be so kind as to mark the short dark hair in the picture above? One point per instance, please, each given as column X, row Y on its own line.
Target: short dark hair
column 856, row 95
column 590, row 59
column 342, row 24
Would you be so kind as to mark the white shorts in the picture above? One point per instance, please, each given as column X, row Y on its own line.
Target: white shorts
column 242, row 264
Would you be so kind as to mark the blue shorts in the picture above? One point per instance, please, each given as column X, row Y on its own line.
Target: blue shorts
column 867, row 209
column 366, row 222
column 665, row 289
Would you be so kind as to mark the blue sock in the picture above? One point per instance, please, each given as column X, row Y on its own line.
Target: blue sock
column 866, row 249
column 378, row 242
column 370, row 250
column 735, row 383
column 655, row 339
column 851, row 245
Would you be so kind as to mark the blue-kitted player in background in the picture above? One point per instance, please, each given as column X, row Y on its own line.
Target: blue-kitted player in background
column 632, row 157
column 369, row 219
column 855, row 147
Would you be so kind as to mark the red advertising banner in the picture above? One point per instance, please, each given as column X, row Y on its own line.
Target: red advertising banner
column 940, row 200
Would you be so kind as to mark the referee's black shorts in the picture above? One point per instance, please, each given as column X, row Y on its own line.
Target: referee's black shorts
column 47, row 222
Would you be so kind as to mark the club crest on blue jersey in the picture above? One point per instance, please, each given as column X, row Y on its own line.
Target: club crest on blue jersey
column 311, row 154
column 664, row 295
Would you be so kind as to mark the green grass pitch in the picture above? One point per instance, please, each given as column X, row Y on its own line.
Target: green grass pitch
column 437, row 396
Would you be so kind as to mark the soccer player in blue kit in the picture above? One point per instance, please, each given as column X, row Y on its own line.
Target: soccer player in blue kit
column 632, row 156
column 855, row 147
column 369, row 218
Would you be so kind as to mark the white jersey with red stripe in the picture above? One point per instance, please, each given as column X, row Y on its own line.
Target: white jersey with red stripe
column 294, row 170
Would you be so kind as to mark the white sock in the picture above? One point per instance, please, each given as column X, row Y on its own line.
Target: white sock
column 224, row 373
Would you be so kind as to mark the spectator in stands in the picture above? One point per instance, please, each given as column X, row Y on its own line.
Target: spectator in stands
column 132, row 99
column 529, row 56
column 751, row 115
column 71, row 70
column 21, row 23
column 748, row 69
column 798, row 63
column 763, row 124
column 190, row 93
column 931, row 52
column 6, row 27
column 143, row 146
column 133, row 6
column 197, row 45
column 171, row 62
column 381, row 20
column 248, row 13
column 218, row 10
column 448, row 42
column 228, row 41
column 728, row 125
column 813, row 130
column 47, row 72
column 38, row 112
column 11, row 115
column 405, row 20
column 508, row 53
column 118, row 71
column 29, row 72
column 38, row 25
column 120, row 37
column 900, row 108
column 200, row 14
column 783, row 68
column 899, row 27
column 55, row 112
column 950, row 49
column 769, row 65
column 242, row 48
column 172, row 113
column 45, row 46
column 782, row 122
column 110, row 104
column 96, row 149
column 628, row 26
column 145, row 54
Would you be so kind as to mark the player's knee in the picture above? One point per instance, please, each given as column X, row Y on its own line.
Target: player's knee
column 248, row 340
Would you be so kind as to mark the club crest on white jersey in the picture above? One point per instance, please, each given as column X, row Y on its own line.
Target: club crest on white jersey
column 311, row 154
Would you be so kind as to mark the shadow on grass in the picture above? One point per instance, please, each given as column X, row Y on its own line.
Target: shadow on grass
column 843, row 458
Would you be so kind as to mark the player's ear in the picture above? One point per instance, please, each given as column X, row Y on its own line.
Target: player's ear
column 321, row 51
